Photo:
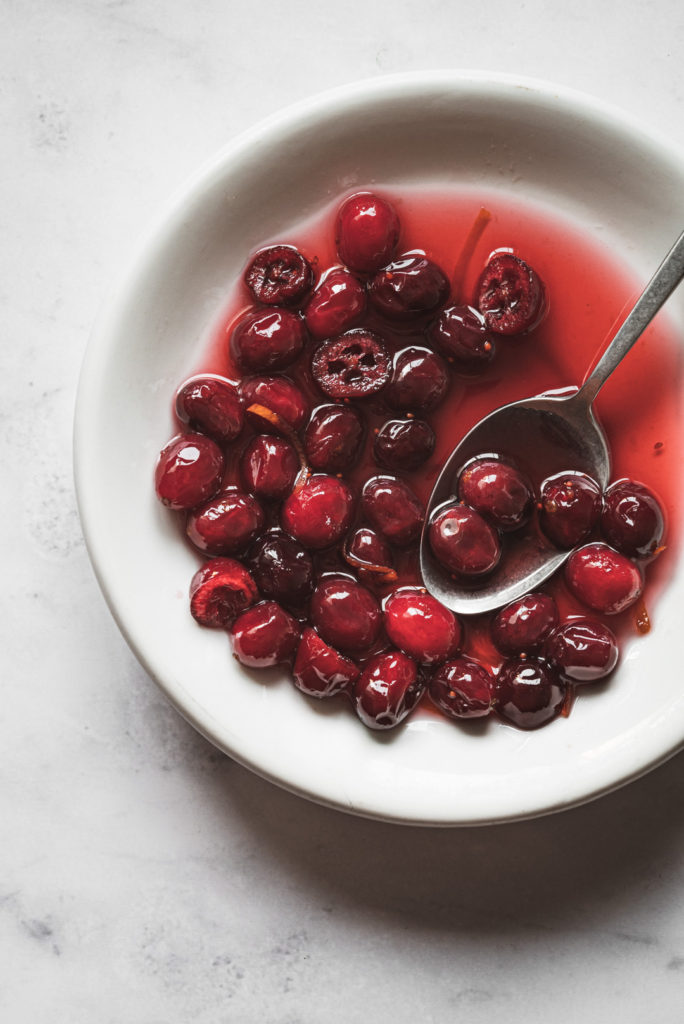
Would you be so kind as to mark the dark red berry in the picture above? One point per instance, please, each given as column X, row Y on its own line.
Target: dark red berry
column 632, row 519
column 355, row 364
column 463, row 542
column 227, row 524
column 529, row 693
column 510, row 294
column 282, row 569
column 319, row 670
column 418, row 624
column 319, row 513
column 570, row 508
column 220, row 591
column 387, row 690
column 419, row 382
column 603, row 579
column 279, row 276
column 583, row 650
column 367, row 232
column 524, row 624
column 462, row 688
column 393, row 509
column 370, row 556
column 189, row 470
column 461, row 335
column 409, row 287
column 345, row 613
column 268, row 467
column 338, row 303
column 265, row 635
column 403, row 444
column 211, row 405
column 278, row 394
column 267, row 340
column 498, row 491
column 333, row 438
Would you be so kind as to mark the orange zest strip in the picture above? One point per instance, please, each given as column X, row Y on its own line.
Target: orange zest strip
column 284, row 428
column 642, row 619
column 389, row 575
column 474, row 235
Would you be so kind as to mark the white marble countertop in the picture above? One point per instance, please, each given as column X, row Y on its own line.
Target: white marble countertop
column 144, row 877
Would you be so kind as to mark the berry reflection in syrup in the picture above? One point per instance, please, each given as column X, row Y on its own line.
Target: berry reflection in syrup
column 324, row 413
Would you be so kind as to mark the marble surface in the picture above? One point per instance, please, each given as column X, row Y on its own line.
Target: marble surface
column 144, row 877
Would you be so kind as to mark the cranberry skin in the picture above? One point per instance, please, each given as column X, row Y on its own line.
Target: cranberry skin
column 393, row 509
column 333, row 438
column 570, row 508
column 338, row 303
column 279, row 276
column 227, row 524
column 510, row 295
column 498, row 491
column 267, row 340
column 265, row 635
column 462, row 688
column 211, row 405
column 278, row 394
column 220, row 591
column 464, row 542
column 528, row 693
column 632, row 519
column 403, row 444
column 524, row 624
column 603, row 579
column 410, row 287
column 319, row 513
column 387, row 690
column 584, row 650
column 420, row 381
column 367, row 232
column 346, row 614
column 269, row 466
column 419, row 625
column 460, row 334
column 189, row 471
column 282, row 569
column 319, row 670
column 355, row 364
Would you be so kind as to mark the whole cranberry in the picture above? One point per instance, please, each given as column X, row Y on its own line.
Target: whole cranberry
column 319, row 513
column 338, row 303
column 461, row 335
column 419, row 625
column 370, row 556
column 220, row 591
column 510, row 294
column 570, row 508
column 282, row 569
column 528, row 693
column 583, row 650
column 265, row 635
column 267, row 340
column 279, row 276
column 498, row 491
column 319, row 670
column 189, row 470
column 333, row 438
column 524, row 624
column 403, row 444
column 409, row 287
column 463, row 541
column 462, row 688
column 387, row 690
column 211, row 405
column 603, row 579
column 419, row 382
column 632, row 519
column 280, row 395
column 393, row 509
column 367, row 232
column 227, row 524
column 345, row 613
column 269, row 466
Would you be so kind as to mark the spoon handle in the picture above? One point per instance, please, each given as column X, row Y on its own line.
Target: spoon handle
column 660, row 287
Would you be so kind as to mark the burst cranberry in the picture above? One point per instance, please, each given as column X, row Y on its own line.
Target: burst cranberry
column 220, row 591
column 461, row 335
column 603, row 579
column 393, row 509
column 333, row 438
column 279, row 395
column 510, row 294
column 403, row 444
column 570, row 507
column 319, row 513
column 367, row 232
column 227, row 524
column 420, row 380
column 529, row 693
column 319, row 670
column 632, row 519
column 338, row 303
column 583, row 650
column 265, row 635
column 462, row 688
column 498, row 491
column 345, row 613
column 370, row 555
column 418, row 624
column 189, row 470
column 353, row 365
column 410, row 287
column 211, row 405
column 279, row 276
column 463, row 541
column 387, row 690
column 524, row 624
column 267, row 340
column 269, row 466
column 282, row 569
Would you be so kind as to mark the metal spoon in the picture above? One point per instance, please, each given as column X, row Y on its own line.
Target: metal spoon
column 546, row 434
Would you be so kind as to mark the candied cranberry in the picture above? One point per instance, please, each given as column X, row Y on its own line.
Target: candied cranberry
column 393, row 509
column 632, row 519
column 462, row 688
column 267, row 340
column 211, row 405
column 269, row 466
column 189, row 470
column 463, row 541
column 279, row 276
column 370, row 556
column 498, row 491
column 265, row 635
column 529, row 693
column 333, row 437
column 353, row 365
column 603, row 579
column 220, row 591
column 319, row 513
column 409, row 287
column 320, row 670
column 418, row 624
column 570, row 507
column 345, row 613
column 367, row 232
column 279, row 395
column 583, row 650
column 510, row 294
column 387, row 690
column 403, row 444
column 524, row 624
column 282, row 569
column 460, row 334
column 338, row 303
column 419, row 382
column 227, row 524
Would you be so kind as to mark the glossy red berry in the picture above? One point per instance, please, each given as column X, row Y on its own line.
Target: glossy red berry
column 220, row 591
column 463, row 542
column 392, row 508
column 269, row 466
column 265, row 635
column 319, row 513
column 403, row 444
column 355, row 364
column 529, row 693
column 410, row 287
column 584, row 650
column 281, row 396
column 367, row 232
column 279, row 276
column 419, row 625
column 319, row 670
column 387, row 690
column 267, row 340
column 632, row 520
column 338, row 303
column 370, row 556
column 498, row 491
column 283, row 570
column 524, row 624
column 333, row 438
column 461, row 335
column 462, row 688
column 510, row 294
column 345, row 613
column 211, row 405
column 419, row 382
column 570, row 508
column 227, row 524
column 189, row 471
column 603, row 579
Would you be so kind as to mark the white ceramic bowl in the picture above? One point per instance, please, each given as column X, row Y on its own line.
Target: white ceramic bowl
column 592, row 164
